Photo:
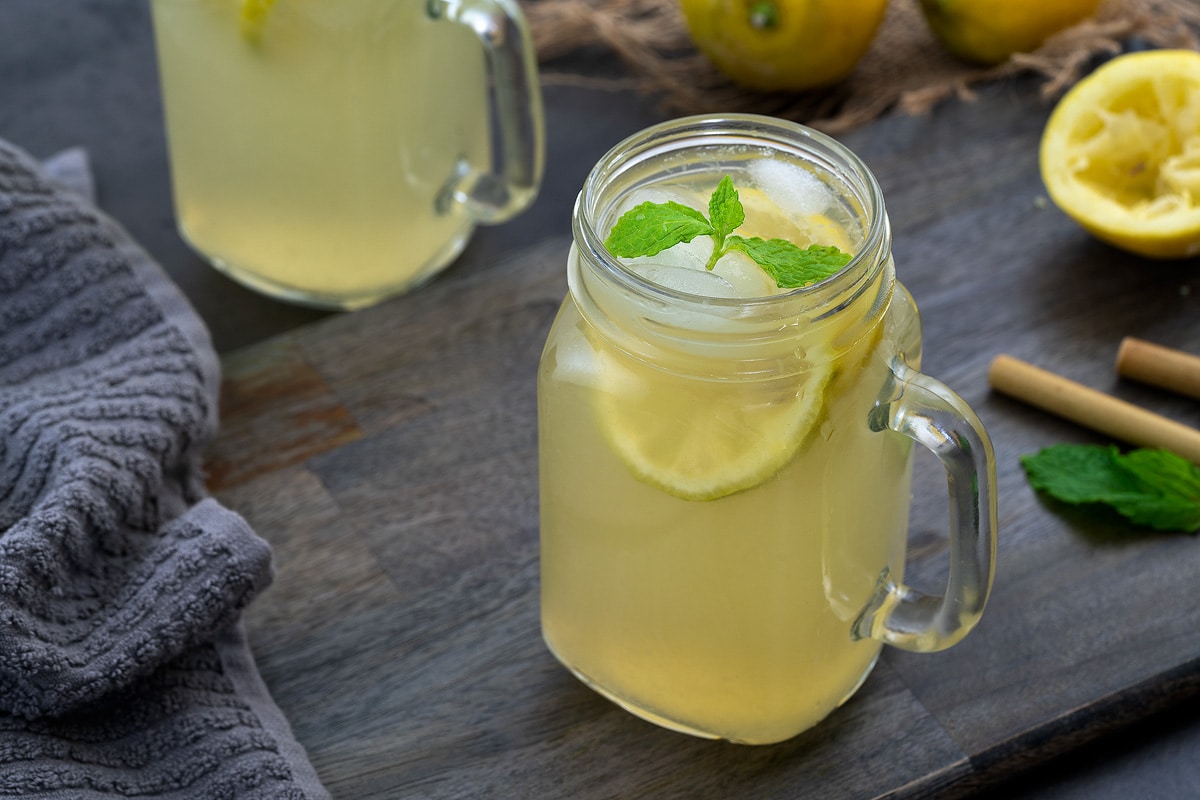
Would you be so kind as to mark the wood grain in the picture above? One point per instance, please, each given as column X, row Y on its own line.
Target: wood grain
column 276, row 411
column 389, row 456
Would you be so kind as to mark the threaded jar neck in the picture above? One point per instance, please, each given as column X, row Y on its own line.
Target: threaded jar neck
column 644, row 317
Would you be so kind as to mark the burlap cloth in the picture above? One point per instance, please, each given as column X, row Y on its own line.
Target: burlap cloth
column 905, row 68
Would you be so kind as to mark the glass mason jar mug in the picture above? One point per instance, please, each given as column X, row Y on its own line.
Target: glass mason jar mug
column 725, row 479
column 336, row 153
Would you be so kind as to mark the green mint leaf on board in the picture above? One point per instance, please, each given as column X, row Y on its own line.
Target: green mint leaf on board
column 790, row 266
column 1078, row 473
column 1174, row 503
column 1149, row 487
column 649, row 228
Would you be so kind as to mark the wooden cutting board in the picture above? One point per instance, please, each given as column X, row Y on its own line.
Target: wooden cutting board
column 389, row 456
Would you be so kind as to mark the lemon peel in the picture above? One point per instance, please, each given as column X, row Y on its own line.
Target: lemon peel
column 783, row 44
column 989, row 31
column 1120, row 153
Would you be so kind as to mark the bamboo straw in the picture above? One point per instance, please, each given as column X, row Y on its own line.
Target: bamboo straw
column 1091, row 408
column 1160, row 366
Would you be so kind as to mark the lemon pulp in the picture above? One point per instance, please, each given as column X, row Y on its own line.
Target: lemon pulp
column 1121, row 153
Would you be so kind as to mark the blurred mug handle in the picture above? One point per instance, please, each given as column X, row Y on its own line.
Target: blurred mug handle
column 495, row 195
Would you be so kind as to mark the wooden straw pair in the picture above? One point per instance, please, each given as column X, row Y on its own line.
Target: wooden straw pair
column 1136, row 359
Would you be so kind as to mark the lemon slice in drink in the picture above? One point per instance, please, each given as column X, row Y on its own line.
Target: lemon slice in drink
column 702, row 440
column 253, row 17
column 1121, row 153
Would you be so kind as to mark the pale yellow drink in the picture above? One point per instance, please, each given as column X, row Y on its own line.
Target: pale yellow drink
column 728, row 616
column 309, row 154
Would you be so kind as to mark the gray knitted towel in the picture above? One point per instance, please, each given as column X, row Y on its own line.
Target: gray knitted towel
column 123, row 668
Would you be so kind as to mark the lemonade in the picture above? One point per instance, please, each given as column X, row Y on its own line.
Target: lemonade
column 722, row 508
column 311, row 153
column 730, row 615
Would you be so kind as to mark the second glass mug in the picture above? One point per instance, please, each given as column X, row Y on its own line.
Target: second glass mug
column 725, row 482
column 333, row 154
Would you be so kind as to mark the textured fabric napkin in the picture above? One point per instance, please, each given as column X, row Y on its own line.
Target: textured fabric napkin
column 124, row 671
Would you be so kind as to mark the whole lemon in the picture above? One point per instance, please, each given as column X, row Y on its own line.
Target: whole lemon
column 784, row 44
column 989, row 31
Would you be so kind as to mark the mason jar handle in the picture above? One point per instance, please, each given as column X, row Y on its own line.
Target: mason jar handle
column 492, row 196
column 930, row 413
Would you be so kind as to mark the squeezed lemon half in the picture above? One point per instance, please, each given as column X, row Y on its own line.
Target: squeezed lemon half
column 1120, row 153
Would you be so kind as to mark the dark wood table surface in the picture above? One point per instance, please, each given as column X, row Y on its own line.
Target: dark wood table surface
column 389, row 456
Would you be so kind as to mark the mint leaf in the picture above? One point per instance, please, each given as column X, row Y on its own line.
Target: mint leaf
column 790, row 266
column 649, row 228
column 1078, row 473
column 1163, row 468
column 1149, row 487
column 1172, row 497
column 725, row 210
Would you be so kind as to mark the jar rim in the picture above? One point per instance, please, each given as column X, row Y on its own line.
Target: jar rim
column 746, row 129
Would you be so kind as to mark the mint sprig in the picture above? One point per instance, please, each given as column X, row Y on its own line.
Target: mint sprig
column 649, row 228
column 1149, row 487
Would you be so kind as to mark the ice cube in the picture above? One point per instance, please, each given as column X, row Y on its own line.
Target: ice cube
column 661, row 193
column 574, row 361
column 745, row 276
column 796, row 191
column 684, row 279
column 689, row 255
